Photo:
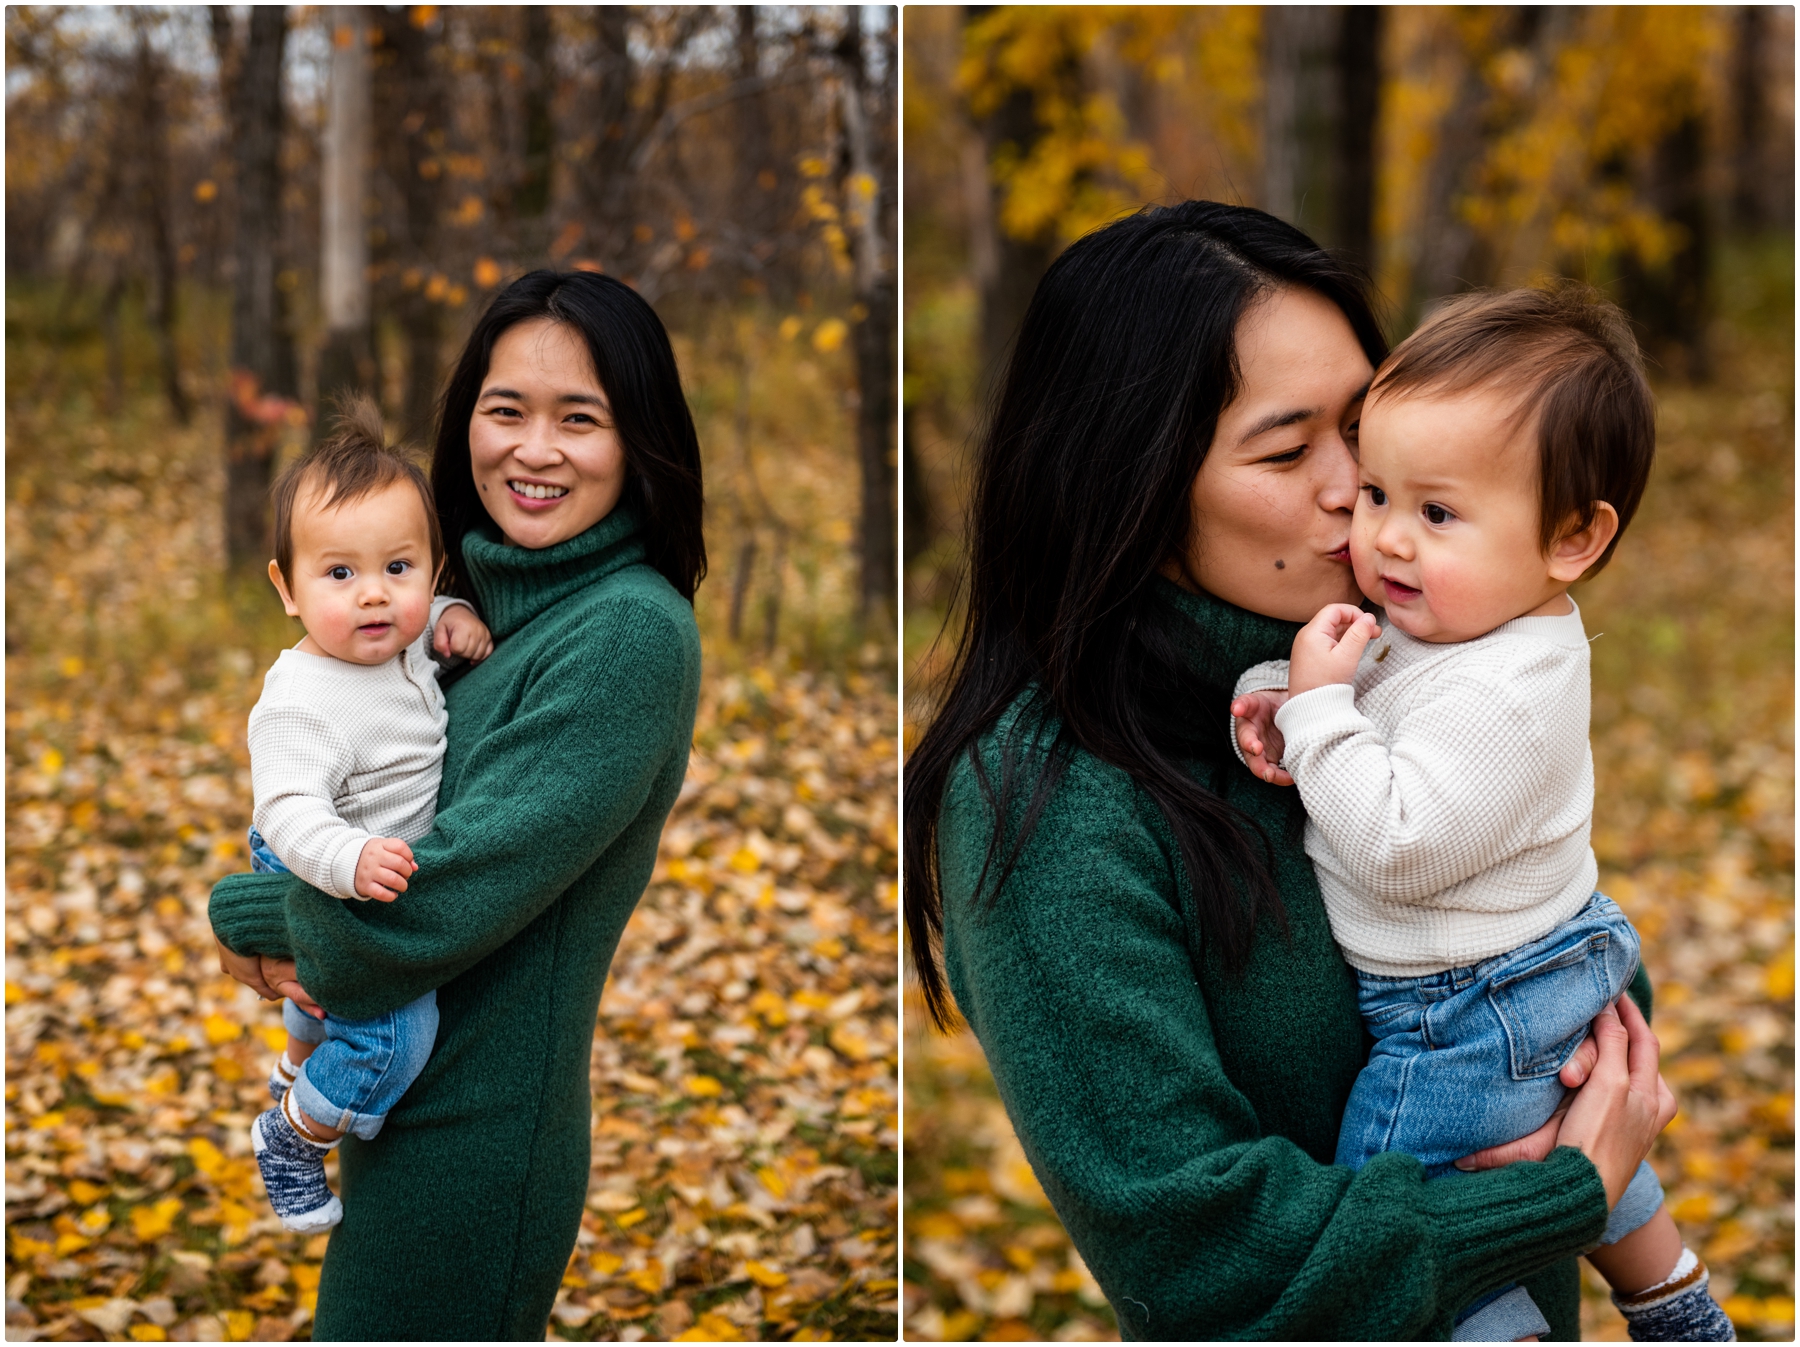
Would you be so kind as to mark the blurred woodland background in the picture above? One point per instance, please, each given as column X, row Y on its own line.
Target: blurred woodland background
column 1649, row 151
column 218, row 218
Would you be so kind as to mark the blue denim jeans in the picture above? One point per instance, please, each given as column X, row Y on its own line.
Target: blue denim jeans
column 360, row 1068
column 1468, row 1058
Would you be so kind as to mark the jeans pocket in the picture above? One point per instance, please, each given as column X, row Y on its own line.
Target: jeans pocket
column 1546, row 1005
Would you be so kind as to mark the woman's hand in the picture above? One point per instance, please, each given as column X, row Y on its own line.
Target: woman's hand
column 247, row 969
column 1616, row 1116
column 1261, row 743
column 284, row 978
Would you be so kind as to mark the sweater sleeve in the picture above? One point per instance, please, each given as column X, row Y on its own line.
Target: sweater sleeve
column 299, row 761
column 1451, row 792
column 1077, row 981
column 538, row 800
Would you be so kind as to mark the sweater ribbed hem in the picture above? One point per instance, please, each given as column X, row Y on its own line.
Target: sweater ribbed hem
column 1501, row 1224
column 248, row 916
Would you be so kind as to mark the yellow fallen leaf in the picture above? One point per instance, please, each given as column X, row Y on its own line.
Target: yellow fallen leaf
column 221, row 1030
column 207, row 1158
column 151, row 1223
column 626, row 1219
column 745, row 861
column 605, row 1263
column 14, row 993
column 86, row 1193
column 306, row 1276
column 148, row 1333
column 772, row 1181
column 239, row 1324
column 704, row 1086
column 764, row 1275
column 1778, row 981
column 710, row 1327
column 649, row 1278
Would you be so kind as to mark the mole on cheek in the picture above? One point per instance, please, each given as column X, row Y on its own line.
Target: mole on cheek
column 1281, row 565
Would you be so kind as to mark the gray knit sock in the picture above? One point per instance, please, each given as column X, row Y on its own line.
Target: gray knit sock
column 1680, row 1309
column 281, row 1077
column 293, row 1170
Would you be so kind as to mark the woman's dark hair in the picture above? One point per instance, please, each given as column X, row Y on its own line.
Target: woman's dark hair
column 636, row 366
column 1084, row 474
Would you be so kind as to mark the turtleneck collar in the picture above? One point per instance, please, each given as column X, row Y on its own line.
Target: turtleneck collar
column 1230, row 639
column 515, row 584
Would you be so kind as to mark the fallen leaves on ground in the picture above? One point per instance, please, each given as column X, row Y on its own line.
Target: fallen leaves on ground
column 1694, row 830
column 744, row 1066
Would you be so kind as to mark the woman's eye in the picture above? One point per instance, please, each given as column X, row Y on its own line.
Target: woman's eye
column 1437, row 514
column 339, row 572
column 1288, row 457
column 1376, row 495
column 398, row 567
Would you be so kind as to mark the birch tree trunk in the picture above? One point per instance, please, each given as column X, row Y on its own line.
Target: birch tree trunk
column 347, row 362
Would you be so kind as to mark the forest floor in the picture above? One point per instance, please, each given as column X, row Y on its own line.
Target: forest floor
column 745, row 1125
column 1694, row 816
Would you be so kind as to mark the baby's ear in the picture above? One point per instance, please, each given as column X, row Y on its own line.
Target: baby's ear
column 1574, row 553
column 280, row 582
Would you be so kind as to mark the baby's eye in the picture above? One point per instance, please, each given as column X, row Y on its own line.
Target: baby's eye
column 1437, row 514
column 339, row 572
column 398, row 567
column 1376, row 495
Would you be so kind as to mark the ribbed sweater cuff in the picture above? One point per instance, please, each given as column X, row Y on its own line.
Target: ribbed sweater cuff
column 249, row 913
column 1320, row 713
column 1502, row 1224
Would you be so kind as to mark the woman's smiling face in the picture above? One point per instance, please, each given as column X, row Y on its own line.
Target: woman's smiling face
column 1273, row 499
column 543, row 449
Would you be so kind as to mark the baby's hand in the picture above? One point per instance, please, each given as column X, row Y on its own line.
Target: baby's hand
column 460, row 632
column 1328, row 648
column 1260, row 741
column 383, row 868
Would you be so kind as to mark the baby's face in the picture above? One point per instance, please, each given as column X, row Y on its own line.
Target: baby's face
column 362, row 572
column 1445, row 535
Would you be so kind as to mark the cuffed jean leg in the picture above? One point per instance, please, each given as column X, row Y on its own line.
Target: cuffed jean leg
column 1642, row 1196
column 300, row 1025
column 359, row 1072
column 1509, row 1316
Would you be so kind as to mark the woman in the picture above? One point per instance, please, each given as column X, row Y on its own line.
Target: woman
column 1163, row 496
column 567, row 479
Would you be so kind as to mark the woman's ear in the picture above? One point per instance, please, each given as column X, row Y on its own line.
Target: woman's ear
column 1575, row 552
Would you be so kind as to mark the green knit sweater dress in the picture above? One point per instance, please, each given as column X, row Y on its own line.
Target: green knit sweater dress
column 1183, row 1122
column 567, row 748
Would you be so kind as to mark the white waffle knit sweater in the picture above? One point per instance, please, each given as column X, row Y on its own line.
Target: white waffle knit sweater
column 341, row 753
column 1449, row 794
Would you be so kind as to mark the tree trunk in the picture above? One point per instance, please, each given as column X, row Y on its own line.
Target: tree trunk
column 252, row 80
column 608, row 183
column 347, row 363
column 1749, row 206
column 868, row 193
column 411, row 103
column 531, row 202
column 1359, row 93
column 155, row 200
column 1672, row 302
column 756, row 176
column 1299, row 81
column 1007, row 268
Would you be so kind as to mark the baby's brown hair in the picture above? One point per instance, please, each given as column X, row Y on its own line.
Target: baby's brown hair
column 1570, row 356
column 353, row 461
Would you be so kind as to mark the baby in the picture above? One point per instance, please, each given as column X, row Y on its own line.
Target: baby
column 346, row 750
column 1442, row 755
